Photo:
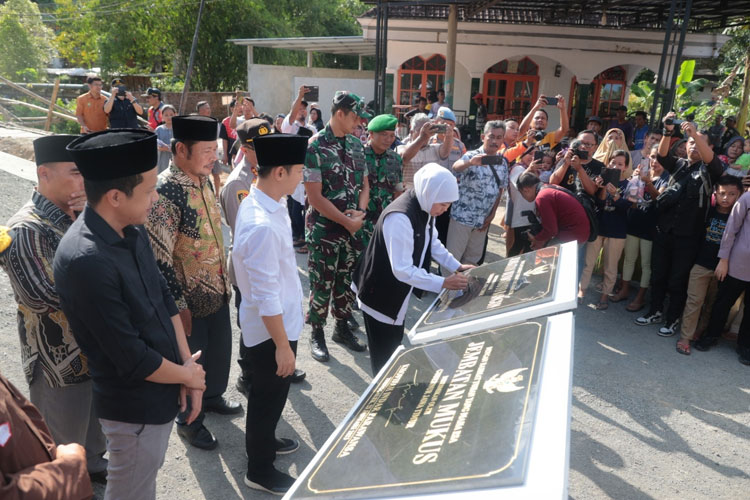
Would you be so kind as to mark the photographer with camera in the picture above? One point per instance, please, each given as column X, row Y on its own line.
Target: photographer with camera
column 681, row 212
column 578, row 170
column 418, row 151
column 537, row 119
column 297, row 116
column 122, row 107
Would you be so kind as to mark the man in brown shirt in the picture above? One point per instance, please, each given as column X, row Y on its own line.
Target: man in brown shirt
column 31, row 465
column 90, row 108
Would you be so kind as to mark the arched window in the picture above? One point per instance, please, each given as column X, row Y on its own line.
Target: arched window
column 417, row 76
column 609, row 91
column 510, row 88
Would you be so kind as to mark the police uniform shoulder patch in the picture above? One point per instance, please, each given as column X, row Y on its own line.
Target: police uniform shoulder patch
column 242, row 194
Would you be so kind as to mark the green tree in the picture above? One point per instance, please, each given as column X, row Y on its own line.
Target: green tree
column 25, row 41
column 77, row 36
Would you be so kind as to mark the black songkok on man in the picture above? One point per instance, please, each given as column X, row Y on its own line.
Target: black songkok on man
column 113, row 154
column 195, row 128
column 51, row 149
column 280, row 149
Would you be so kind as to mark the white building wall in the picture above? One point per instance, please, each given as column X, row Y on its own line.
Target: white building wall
column 274, row 88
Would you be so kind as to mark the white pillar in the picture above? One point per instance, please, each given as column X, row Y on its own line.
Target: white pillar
column 309, row 59
column 249, row 63
column 359, row 63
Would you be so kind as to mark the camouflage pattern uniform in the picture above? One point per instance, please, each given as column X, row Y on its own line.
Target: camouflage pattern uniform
column 339, row 164
column 385, row 175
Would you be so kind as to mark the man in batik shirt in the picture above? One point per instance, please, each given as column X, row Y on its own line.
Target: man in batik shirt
column 57, row 372
column 185, row 231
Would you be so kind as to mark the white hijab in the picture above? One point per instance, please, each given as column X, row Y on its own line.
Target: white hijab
column 434, row 184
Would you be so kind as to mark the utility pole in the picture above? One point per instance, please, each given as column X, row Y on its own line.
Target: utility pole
column 189, row 72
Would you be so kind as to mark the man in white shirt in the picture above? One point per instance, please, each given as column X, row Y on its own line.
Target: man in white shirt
column 419, row 151
column 271, row 309
column 391, row 268
column 295, row 120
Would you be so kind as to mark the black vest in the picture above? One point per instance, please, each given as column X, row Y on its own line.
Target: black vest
column 377, row 287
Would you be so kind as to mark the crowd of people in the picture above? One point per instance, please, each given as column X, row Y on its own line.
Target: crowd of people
column 123, row 284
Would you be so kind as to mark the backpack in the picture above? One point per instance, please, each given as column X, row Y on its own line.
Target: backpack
column 588, row 206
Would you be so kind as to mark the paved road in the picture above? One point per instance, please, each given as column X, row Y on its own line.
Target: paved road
column 647, row 422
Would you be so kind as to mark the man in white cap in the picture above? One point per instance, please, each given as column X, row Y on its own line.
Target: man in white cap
column 397, row 260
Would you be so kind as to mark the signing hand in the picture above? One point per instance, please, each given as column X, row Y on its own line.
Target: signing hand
column 284, row 361
column 456, row 281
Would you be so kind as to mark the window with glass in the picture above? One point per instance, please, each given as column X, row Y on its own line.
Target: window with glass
column 510, row 88
column 418, row 76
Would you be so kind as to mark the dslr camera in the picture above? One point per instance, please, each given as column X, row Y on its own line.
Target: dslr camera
column 673, row 121
column 121, row 90
column 535, row 224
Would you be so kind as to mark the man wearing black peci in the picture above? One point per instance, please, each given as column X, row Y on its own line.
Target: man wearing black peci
column 121, row 311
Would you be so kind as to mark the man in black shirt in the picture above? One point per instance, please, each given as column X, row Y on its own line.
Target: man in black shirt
column 121, row 311
column 121, row 107
column 579, row 174
column 681, row 214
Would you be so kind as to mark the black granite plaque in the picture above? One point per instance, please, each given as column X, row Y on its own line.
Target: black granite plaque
column 496, row 288
column 452, row 415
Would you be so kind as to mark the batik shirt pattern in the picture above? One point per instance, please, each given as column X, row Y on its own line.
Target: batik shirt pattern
column 45, row 335
column 185, row 231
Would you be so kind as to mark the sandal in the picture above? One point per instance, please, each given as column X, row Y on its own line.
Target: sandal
column 683, row 347
column 635, row 306
column 601, row 306
column 302, row 249
column 617, row 298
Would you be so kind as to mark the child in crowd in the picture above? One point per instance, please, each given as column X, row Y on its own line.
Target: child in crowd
column 679, row 149
column 733, row 273
column 164, row 137
column 703, row 284
column 613, row 222
column 546, row 168
column 737, row 163
column 640, row 232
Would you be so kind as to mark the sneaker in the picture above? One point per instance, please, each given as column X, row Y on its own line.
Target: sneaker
column 276, row 483
column 649, row 319
column 669, row 329
column 284, row 446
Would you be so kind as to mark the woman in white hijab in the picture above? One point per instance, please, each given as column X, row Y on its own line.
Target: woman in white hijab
column 397, row 260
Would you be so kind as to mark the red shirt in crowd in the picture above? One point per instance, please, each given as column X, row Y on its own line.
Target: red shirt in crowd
column 562, row 217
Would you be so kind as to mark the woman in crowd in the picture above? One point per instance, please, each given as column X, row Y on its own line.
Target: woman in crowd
column 613, row 220
column 164, row 137
column 316, row 119
column 640, row 231
column 732, row 152
column 613, row 140
column 679, row 149
column 277, row 123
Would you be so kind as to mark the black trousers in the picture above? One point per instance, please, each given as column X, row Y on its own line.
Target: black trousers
column 729, row 291
column 213, row 336
column 297, row 215
column 382, row 340
column 672, row 257
column 441, row 224
column 521, row 243
column 242, row 360
column 265, row 402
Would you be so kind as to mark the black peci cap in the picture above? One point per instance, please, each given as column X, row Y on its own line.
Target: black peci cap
column 275, row 150
column 113, row 154
column 195, row 128
column 51, row 148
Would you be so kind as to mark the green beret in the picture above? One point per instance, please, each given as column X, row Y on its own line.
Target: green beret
column 382, row 122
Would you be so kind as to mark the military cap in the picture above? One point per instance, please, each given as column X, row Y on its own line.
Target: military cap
column 113, row 154
column 352, row 102
column 382, row 122
column 153, row 91
column 275, row 150
column 195, row 128
column 252, row 128
column 51, row 148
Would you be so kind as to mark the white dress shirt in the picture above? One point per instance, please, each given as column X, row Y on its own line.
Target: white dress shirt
column 288, row 127
column 399, row 241
column 266, row 268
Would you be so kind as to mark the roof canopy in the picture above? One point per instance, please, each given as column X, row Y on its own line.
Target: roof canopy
column 326, row 44
column 629, row 14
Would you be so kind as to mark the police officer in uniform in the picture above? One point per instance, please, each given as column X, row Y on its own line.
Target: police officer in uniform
column 335, row 177
column 384, row 170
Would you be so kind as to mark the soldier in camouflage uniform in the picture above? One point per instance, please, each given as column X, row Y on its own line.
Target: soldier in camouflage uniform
column 335, row 177
column 384, row 170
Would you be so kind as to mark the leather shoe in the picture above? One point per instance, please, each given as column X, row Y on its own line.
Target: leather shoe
column 344, row 336
column 704, row 344
column 222, row 406
column 275, row 482
column 284, row 446
column 298, row 376
column 318, row 348
column 200, row 437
